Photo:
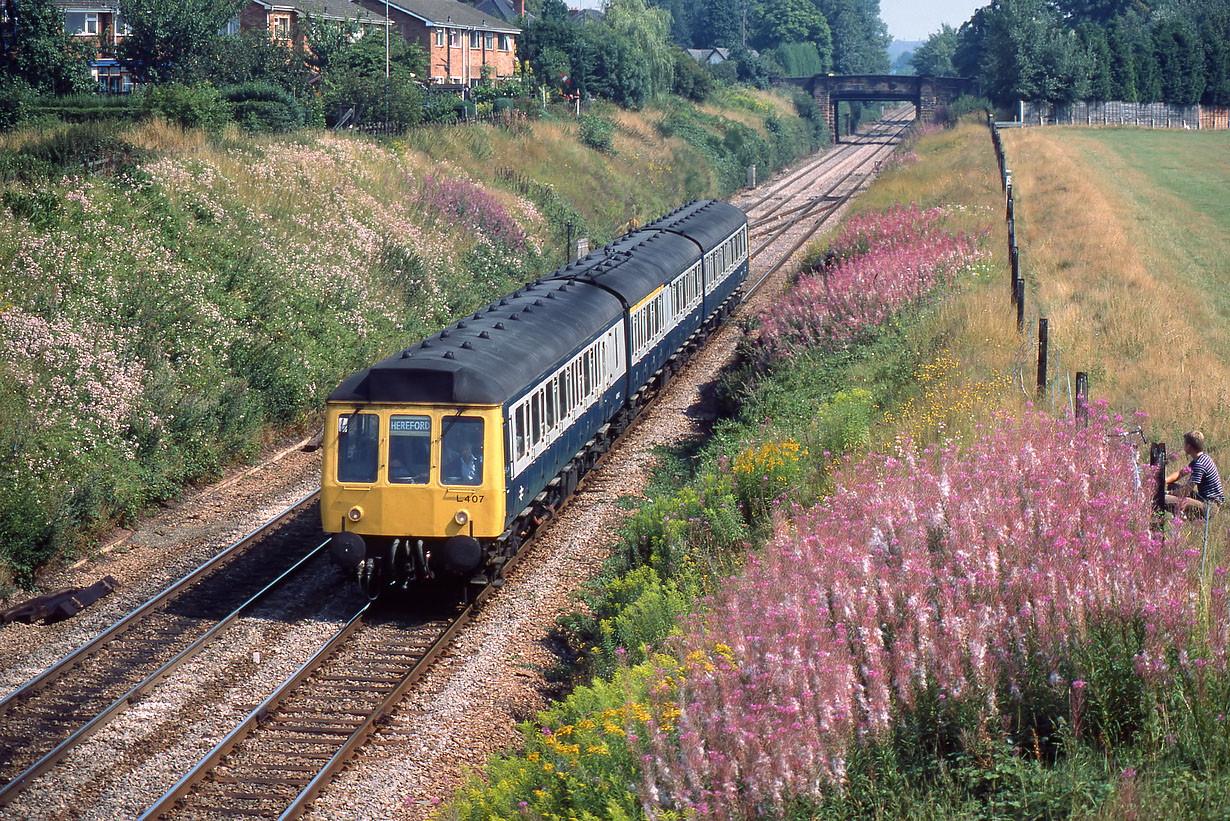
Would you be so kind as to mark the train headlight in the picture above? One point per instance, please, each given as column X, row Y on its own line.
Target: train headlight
column 461, row 517
column 355, row 513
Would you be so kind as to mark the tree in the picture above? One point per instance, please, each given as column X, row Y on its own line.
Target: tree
column 860, row 38
column 1029, row 55
column 170, row 41
column 720, row 23
column 934, row 57
column 802, row 59
column 1098, row 47
column 1180, row 62
column 328, row 38
column 790, row 21
column 35, row 49
column 251, row 56
column 356, row 77
column 648, row 30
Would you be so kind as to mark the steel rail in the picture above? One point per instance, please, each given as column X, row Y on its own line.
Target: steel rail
column 827, row 214
column 264, row 709
column 832, row 157
column 116, row 630
column 762, row 226
column 57, row 754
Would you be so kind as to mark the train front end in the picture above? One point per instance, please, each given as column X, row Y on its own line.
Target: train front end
column 412, row 492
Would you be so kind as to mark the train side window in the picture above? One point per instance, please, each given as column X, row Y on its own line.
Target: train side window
column 536, row 419
column 587, row 374
column 358, row 446
column 550, row 397
column 522, row 430
column 409, row 449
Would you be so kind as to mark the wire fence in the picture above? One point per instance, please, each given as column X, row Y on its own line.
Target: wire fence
column 1117, row 113
column 1048, row 384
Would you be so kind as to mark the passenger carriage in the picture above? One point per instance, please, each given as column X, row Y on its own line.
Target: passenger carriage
column 441, row 459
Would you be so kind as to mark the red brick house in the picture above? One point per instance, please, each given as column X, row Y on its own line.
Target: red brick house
column 283, row 19
column 100, row 22
column 459, row 39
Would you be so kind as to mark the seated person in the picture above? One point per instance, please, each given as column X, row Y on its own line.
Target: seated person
column 1199, row 494
column 463, row 466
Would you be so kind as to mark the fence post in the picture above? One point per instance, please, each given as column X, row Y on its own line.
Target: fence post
column 1157, row 458
column 1020, row 306
column 568, row 245
column 1011, row 229
column 1014, row 256
column 1042, row 358
column 1082, row 398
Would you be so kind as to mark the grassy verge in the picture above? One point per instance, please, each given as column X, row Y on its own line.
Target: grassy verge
column 162, row 317
column 980, row 623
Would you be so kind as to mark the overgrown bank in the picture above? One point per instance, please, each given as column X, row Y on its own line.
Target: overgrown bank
column 162, row 316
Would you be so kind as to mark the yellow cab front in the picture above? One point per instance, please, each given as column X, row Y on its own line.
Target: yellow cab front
column 413, row 472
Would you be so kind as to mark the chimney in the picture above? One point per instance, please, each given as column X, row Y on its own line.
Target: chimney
column 519, row 6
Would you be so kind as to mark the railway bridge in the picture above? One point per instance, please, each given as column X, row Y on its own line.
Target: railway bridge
column 925, row 92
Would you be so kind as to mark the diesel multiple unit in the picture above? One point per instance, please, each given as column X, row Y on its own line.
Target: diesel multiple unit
column 441, row 460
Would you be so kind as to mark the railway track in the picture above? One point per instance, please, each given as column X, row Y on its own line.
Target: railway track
column 884, row 131
column 821, row 208
column 53, row 713
column 287, row 749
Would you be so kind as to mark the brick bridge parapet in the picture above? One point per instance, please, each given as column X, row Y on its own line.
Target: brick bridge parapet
column 925, row 92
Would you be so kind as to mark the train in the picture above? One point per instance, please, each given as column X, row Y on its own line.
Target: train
column 441, row 461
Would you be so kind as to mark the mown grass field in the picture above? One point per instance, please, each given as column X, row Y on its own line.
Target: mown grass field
column 956, row 603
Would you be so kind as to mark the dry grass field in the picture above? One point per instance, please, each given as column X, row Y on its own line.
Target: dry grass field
column 1125, row 244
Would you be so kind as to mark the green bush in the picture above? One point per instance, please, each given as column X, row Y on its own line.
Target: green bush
column 198, row 106
column 260, row 107
column 17, row 99
column 596, row 132
column 965, row 104
column 439, row 107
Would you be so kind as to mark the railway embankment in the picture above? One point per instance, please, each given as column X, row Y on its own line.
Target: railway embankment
column 890, row 583
column 181, row 303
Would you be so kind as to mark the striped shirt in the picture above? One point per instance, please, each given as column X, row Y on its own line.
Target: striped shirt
column 1205, row 480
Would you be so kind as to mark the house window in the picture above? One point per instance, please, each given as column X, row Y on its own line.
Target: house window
column 440, row 37
column 489, row 41
column 279, row 24
column 476, row 40
column 84, row 23
column 121, row 26
column 231, row 28
column 503, row 42
column 454, row 38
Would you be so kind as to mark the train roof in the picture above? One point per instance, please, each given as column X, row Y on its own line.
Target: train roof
column 708, row 222
column 635, row 265
column 492, row 356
